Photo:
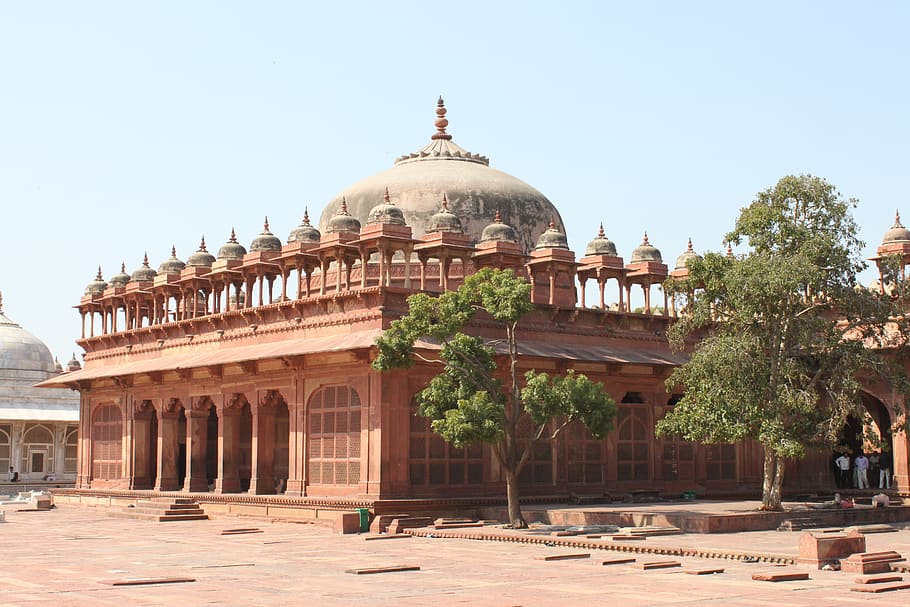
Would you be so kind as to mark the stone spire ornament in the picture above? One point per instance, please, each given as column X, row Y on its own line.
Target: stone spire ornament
column 441, row 121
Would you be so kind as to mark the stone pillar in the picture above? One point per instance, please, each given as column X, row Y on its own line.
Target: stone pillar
column 228, row 480
column 197, row 420
column 84, row 460
column 140, row 452
column 297, row 441
column 263, row 452
column 167, row 448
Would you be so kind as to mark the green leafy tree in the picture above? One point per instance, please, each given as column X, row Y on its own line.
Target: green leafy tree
column 783, row 334
column 472, row 398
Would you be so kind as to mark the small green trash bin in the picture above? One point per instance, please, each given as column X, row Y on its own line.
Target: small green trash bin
column 688, row 495
column 364, row 519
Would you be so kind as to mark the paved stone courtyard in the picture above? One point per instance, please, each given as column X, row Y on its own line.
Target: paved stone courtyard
column 73, row 556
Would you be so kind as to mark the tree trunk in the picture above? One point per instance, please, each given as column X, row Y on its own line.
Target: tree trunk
column 772, row 480
column 515, row 517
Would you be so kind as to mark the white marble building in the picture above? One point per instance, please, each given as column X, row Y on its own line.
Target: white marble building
column 38, row 426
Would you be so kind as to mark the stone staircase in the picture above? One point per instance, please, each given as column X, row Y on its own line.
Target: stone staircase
column 164, row 509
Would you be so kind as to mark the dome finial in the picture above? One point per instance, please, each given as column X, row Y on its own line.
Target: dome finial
column 645, row 239
column 123, row 267
column 173, row 251
column 897, row 219
column 145, row 259
column 689, row 247
column 202, row 244
column 498, row 217
column 552, row 224
column 729, row 250
column 441, row 122
column 265, row 226
column 233, row 237
column 600, row 232
column 306, row 216
column 445, row 202
column 99, row 277
column 344, row 206
column 385, row 197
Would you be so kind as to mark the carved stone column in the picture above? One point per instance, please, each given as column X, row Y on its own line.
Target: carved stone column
column 228, row 480
column 197, row 419
column 141, row 477
column 263, row 473
column 167, row 447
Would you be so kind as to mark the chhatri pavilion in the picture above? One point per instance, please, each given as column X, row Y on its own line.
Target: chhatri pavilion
column 242, row 375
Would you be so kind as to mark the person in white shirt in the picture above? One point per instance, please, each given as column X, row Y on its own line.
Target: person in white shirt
column 843, row 471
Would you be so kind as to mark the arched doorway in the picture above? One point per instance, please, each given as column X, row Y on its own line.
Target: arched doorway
column 246, row 446
column 107, row 442
column 282, row 445
column 870, row 435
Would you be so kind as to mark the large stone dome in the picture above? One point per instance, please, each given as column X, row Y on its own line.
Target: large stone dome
column 22, row 355
column 474, row 191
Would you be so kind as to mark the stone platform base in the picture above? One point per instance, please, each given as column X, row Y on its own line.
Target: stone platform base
column 700, row 516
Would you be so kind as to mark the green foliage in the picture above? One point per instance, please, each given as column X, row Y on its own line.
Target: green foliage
column 467, row 401
column 571, row 397
column 783, row 332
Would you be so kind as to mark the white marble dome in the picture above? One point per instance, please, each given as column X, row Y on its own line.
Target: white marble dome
column 475, row 192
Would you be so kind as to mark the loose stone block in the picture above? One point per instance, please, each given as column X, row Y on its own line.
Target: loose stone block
column 780, row 577
column 628, row 538
column 870, row 562
column 387, row 536
column 389, row 569
column 704, row 571
column 347, row 522
column 660, row 565
column 877, row 588
column 241, row 531
column 818, row 550
column 879, row 579
column 563, row 557
column 412, row 522
column 622, row 561
column 381, row 522
column 152, row 581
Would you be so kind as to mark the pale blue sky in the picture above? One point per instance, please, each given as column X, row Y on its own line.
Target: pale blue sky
column 126, row 127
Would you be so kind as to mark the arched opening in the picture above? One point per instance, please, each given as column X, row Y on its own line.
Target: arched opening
column 71, row 450
column 152, row 466
column 181, row 447
column 37, row 451
column 211, row 448
column 5, row 448
column 246, row 446
column 869, row 436
column 633, row 444
column 282, row 445
column 678, row 460
column 334, row 436
column 107, row 443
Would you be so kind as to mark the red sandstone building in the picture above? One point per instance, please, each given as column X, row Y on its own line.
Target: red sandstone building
column 247, row 373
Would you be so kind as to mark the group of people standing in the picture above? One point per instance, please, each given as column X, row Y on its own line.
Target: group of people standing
column 855, row 473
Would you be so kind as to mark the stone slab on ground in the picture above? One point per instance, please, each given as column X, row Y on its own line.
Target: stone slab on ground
column 709, row 571
column 659, row 565
column 619, row 561
column 877, row 588
column 820, row 549
column 151, row 581
column 780, row 577
column 564, row 557
column 386, row 569
column 388, row 536
column 411, row 522
column 879, row 579
column 870, row 562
